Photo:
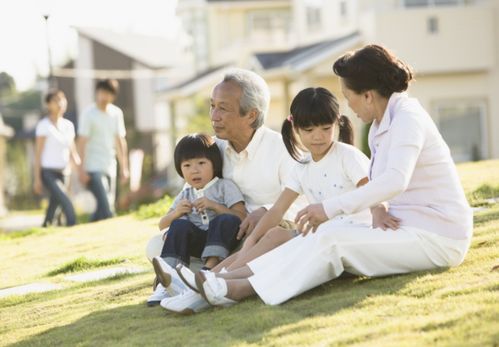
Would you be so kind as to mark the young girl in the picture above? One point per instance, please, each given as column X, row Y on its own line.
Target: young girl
column 53, row 150
column 205, row 216
column 324, row 168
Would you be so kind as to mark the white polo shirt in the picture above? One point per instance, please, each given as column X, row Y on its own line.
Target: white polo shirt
column 260, row 169
column 411, row 169
column 338, row 172
column 58, row 140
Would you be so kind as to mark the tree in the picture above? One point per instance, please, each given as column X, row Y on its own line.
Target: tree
column 7, row 84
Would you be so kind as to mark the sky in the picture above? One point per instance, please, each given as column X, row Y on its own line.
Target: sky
column 23, row 43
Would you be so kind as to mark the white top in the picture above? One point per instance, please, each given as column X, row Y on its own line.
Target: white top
column 101, row 129
column 58, row 140
column 260, row 169
column 411, row 169
column 337, row 173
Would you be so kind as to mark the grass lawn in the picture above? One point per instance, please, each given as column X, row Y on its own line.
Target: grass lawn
column 453, row 307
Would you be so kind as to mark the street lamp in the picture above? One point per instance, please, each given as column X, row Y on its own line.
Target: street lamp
column 50, row 77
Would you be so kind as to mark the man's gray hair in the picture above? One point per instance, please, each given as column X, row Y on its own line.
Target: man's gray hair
column 255, row 93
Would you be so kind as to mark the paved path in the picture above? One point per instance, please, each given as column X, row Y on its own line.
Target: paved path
column 19, row 222
column 80, row 277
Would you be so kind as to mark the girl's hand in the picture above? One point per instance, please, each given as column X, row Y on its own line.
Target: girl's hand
column 37, row 187
column 310, row 218
column 183, row 207
column 382, row 219
column 203, row 203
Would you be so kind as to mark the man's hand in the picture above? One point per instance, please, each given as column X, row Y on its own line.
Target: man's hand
column 249, row 223
column 382, row 219
column 124, row 176
column 310, row 218
column 84, row 177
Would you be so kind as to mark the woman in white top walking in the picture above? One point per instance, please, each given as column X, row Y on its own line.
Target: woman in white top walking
column 54, row 148
column 414, row 190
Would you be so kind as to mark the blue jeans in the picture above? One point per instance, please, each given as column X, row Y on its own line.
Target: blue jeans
column 184, row 239
column 101, row 185
column 54, row 182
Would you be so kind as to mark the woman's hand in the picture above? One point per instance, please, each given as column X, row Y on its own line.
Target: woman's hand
column 310, row 218
column 382, row 219
column 37, row 187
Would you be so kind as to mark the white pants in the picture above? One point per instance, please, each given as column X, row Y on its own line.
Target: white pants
column 155, row 245
column 306, row 262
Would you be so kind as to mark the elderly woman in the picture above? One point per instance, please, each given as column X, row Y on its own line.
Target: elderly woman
column 414, row 190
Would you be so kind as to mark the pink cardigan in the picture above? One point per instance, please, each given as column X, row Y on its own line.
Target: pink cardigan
column 412, row 170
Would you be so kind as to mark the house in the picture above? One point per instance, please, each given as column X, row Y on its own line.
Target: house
column 142, row 64
column 454, row 45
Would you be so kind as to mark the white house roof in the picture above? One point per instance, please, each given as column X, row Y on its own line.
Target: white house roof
column 154, row 52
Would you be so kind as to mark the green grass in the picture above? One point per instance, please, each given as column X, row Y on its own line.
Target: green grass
column 451, row 307
column 154, row 210
column 479, row 196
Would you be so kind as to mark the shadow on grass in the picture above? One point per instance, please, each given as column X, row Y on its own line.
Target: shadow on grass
column 82, row 263
column 248, row 322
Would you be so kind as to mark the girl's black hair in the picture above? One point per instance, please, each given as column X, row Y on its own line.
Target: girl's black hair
column 313, row 107
column 373, row 67
column 198, row 146
column 52, row 94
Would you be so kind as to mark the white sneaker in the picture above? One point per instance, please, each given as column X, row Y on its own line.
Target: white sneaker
column 159, row 294
column 187, row 276
column 168, row 277
column 214, row 290
column 188, row 302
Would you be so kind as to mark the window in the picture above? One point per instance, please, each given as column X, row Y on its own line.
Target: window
column 432, row 25
column 314, row 18
column 463, row 126
column 268, row 23
column 343, row 9
column 425, row 3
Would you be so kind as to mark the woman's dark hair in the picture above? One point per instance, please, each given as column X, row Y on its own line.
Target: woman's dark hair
column 313, row 107
column 110, row 85
column 198, row 146
column 52, row 94
column 373, row 67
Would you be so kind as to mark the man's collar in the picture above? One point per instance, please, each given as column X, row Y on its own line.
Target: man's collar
column 253, row 145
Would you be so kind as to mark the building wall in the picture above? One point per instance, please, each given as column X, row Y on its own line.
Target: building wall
column 231, row 38
column 458, row 63
column 463, row 40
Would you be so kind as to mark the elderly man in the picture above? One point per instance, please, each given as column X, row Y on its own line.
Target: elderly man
column 254, row 158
